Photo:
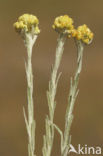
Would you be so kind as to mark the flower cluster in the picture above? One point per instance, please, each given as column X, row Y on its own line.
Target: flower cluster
column 27, row 23
column 84, row 34
column 63, row 24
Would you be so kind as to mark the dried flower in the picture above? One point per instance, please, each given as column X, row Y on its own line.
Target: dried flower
column 63, row 24
column 84, row 34
column 27, row 24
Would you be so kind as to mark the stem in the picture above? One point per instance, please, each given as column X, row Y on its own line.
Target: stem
column 51, row 93
column 71, row 100
column 30, row 122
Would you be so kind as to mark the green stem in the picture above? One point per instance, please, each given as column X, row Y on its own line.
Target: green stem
column 51, row 93
column 30, row 122
column 71, row 100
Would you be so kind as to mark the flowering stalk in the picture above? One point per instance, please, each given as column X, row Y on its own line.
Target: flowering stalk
column 71, row 100
column 30, row 124
column 27, row 26
column 83, row 36
column 49, row 137
column 63, row 26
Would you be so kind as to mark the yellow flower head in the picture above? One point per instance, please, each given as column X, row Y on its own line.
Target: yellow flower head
column 63, row 24
column 84, row 34
column 27, row 23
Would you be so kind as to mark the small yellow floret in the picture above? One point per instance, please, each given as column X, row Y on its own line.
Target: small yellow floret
column 63, row 24
column 84, row 34
column 74, row 32
column 19, row 26
column 29, row 19
column 26, row 23
column 37, row 30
